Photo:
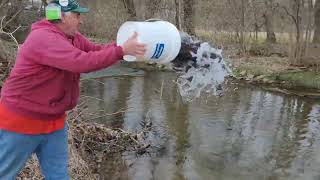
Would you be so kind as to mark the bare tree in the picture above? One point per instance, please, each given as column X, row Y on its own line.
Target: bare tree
column 178, row 13
column 316, row 37
column 130, row 7
column 294, row 12
column 152, row 9
column 163, row 9
column 308, row 30
column 268, row 21
column 257, row 22
column 188, row 20
column 147, row 9
column 11, row 9
column 243, row 26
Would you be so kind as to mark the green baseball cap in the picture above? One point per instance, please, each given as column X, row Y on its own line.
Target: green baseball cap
column 70, row 6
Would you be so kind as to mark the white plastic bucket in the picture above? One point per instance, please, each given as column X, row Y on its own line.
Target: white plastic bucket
column 161, row 38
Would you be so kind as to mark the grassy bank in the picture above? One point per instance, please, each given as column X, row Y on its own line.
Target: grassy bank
column 277, row 74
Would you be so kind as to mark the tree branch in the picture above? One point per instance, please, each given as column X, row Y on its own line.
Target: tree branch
column 10, row 34
column 12, row 18
column 287, row 12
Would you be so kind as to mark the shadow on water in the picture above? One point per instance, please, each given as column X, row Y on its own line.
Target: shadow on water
column 246, row 134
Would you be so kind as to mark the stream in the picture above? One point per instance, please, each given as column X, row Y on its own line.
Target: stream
column 248, row 133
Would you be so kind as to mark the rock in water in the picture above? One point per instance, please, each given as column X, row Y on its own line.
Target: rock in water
column 202, row 69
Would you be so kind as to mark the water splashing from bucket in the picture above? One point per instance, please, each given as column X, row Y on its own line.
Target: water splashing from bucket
column 202, row 68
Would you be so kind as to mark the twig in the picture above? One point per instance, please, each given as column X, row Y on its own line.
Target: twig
column 110, row 114
column 79, row 114
column 132, row 138
column 7, row 33
column 161, row 90
column 118, row 129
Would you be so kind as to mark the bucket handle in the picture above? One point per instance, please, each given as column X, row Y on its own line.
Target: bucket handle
column 153, row 20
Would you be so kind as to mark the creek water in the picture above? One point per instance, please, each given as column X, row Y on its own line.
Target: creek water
column 246, row 134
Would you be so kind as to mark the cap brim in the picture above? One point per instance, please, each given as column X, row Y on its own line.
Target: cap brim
column 81, row 10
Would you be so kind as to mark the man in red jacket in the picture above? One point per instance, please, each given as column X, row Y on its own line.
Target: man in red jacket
column 44, row 84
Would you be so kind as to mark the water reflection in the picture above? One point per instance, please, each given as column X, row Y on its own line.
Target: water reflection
column 246, row 134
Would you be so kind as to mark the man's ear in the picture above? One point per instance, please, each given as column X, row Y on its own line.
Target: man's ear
column 63, row 18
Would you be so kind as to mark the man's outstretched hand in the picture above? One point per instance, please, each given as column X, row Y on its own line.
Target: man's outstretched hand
column 133, row 47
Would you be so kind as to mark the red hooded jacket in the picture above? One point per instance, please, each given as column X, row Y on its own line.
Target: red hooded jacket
column 44, row 82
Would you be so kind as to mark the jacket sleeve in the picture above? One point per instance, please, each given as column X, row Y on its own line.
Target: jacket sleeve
column 56, row 51
column 87, row 45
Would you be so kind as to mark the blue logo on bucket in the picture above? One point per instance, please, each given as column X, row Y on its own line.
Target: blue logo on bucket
column 159, row 50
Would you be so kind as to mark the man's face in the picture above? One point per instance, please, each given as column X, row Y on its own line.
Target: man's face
column 72, row 23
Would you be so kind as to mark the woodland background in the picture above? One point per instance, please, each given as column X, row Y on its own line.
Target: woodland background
column 255, row 27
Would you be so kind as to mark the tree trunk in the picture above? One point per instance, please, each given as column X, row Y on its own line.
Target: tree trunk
column 188, row 20
column 151, row 9
column 297, row 6
column 316, row 37
column 178, row 14
column 268, row 17
column 147, row 9
column 162, row 9
column 242, row 33
column 130, row 7
column 256, row 25
column 308, row 28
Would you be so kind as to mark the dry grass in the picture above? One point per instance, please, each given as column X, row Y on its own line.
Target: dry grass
column 260, row 65
column 89, row 143
column 229, row 37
